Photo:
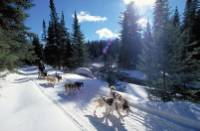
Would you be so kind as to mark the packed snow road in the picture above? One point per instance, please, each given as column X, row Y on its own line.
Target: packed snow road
column 29, row 104
column 24, row 108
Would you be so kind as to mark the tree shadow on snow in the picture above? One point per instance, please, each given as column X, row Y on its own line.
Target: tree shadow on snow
column 84, row 96
column 46, row 85
column 21, row 80
column 153, row 122
column 112, row 123
column 32, row 68
column 24, row 79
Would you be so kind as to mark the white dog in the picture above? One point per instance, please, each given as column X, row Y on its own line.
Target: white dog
column 112, row 104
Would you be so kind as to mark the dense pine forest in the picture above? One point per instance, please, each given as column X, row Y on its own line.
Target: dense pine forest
column 167, row 50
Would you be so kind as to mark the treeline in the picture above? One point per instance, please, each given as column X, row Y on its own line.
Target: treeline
column 62, row 49
column 167, row 51
column 15, row 45
column 98, row 50
column 171, row 51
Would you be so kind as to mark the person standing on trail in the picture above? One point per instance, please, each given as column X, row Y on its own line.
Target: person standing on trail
column 41, row 67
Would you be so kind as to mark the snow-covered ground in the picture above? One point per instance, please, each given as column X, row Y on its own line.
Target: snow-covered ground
column 24, row 108
column 29, row 104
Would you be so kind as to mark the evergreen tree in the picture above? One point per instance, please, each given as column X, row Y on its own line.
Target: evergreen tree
column 161, row 39
column 161, row 15
column 79, row 48
column 51, row 47
column 95, row 49
column 53, row 14
column 52, row 56
column 191, row 41
column 37, row 48
column 130, row 38
column 65, row 48
column 176, row 18
column 147, row 55
column 44, row 33
column 189, row 13
column 13, row 43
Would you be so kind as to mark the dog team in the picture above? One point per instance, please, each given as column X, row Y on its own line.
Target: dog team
column 111, row 103
column 52, row 79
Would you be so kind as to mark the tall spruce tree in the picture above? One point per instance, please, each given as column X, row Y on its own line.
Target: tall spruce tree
column 65, row 48
column 161, row 15
column 189, row 14
column 13, row 43
column 79, row 48
column 191, row 41
column 147, row 55
column 37, row 48
column 176, row 17
column 175, row 68
column 162, row 45
column 51, row 48
column 162, row 61
column 44, row 31
column 130, row 38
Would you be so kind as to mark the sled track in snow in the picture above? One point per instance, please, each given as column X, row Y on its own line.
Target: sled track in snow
column 187, row 122
column 61, row 108
column 175, row 118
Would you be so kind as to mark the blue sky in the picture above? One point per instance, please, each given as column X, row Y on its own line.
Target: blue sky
column 99, row 19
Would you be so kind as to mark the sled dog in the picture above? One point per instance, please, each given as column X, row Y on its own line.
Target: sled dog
column 51, row 80
column 111, row 104
column 74, row 86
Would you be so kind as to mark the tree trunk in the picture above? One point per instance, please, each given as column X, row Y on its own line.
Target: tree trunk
column 164, row 79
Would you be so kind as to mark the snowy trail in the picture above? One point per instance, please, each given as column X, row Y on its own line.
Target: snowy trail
column 68, row 114
column 130, row 123
column 78, row 109
column 24, row 108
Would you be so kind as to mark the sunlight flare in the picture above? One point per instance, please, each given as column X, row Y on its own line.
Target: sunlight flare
column 142, row 22
column 140, row 2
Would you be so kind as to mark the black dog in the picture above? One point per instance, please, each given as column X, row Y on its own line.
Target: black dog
column 79, row 84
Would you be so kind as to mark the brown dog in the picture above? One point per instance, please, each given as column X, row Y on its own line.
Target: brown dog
column 59, row 77
column 51, row 79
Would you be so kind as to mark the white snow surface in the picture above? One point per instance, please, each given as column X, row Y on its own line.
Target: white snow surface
column 97, row 65
column 29, row 104
column 24, row 108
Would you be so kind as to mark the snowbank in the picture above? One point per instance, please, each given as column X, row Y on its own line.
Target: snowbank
column 28, row 70
column 31, row 70
column 85, row 72
column 97, row 65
